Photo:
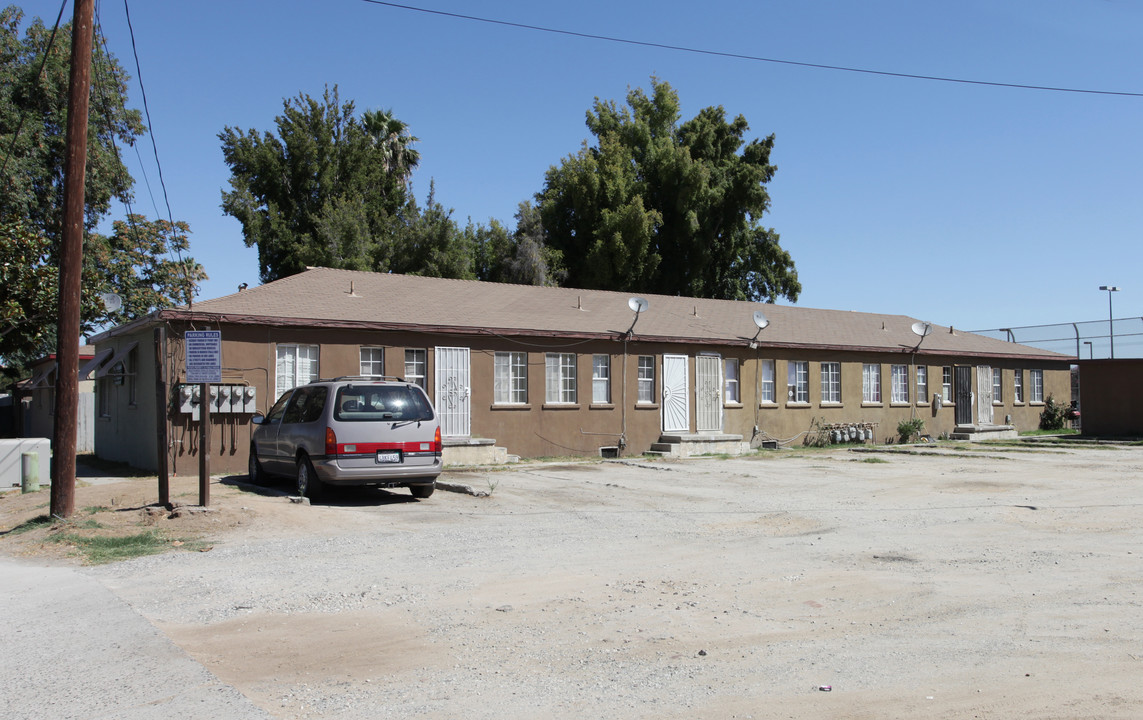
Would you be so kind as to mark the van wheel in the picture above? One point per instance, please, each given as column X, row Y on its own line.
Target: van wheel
column 254, row 469
column 422, row 491
column 308, row 484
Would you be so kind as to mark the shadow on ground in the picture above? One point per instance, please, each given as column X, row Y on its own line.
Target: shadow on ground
column 363, row 496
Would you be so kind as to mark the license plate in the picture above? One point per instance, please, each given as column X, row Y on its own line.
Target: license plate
column 388, row 456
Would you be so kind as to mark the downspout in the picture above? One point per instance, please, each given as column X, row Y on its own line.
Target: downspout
column 623, row 410
column 913, row 375
column 757, row 390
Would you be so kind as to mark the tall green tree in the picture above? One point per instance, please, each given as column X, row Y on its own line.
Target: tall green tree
column 661, row 206
column 391, row 136
column 133, row 263
column 427, row 242
column 521, row 257
column 533, row 261
column 142, row 261
column 35, row 103
column 325, row 189
column 145, row 263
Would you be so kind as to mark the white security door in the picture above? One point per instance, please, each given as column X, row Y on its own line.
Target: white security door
column 984, row 394
column 708, row 393
column 452, row 385
column 676, row 401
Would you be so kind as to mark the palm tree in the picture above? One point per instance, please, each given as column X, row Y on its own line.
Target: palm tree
column 391, row 136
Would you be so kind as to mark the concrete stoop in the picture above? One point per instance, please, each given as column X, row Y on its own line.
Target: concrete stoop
column 981, row 433
column 475, row 451
column 692, row 444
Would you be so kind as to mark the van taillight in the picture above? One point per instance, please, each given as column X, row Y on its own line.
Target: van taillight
column 330, row 441
column 438, row 446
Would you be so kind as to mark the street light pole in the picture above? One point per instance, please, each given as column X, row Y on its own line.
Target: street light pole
column 1110, row 316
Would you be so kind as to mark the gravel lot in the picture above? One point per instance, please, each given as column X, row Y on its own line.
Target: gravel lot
column 979, row 583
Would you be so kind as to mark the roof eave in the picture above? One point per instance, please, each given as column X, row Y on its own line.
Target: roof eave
column 245, row 319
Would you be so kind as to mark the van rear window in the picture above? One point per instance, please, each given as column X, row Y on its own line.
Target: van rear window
column 364, row 403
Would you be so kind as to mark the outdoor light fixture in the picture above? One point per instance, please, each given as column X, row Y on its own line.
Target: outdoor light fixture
column 1110, row 316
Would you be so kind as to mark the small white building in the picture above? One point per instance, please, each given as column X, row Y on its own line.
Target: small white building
column 37, row 398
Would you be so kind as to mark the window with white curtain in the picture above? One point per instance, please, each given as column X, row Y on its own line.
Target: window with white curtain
column 831, row 382
column 296, row 365
column 560, row 387
column 372, row 362
column 731, row 392
column 899, row 388
column 646, row 387
column 871, row 383
column 798, row 381
column 510, row 381
column 601, row 379
column 1037, row 378
column 415, row 366
column 766, row 368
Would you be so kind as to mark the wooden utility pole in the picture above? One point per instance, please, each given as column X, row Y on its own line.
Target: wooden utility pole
column 71, row 265
column 161, row 414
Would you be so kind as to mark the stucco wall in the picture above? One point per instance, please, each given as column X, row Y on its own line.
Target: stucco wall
column 536, row 428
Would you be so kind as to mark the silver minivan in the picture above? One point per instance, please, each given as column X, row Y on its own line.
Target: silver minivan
column 350, row 431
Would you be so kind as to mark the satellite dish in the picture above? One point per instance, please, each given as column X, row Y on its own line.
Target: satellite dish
column 760, row 320
column 922, row 328
column 111, row 301
column 639, row 305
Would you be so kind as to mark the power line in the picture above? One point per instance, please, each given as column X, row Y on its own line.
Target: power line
column 181, row 262
column 753, row 58
column 147, row 112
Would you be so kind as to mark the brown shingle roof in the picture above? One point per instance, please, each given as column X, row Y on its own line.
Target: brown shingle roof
column 332, row 298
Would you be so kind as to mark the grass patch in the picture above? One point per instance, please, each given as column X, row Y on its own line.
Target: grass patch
column 100, row 550
column 873, row 460
column 34, row 523
column 97, row 543
column 1063, row 431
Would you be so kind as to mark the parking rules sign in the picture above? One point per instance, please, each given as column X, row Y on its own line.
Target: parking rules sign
column 204, row 356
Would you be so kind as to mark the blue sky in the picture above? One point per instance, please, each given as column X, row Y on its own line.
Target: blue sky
column 965, row 205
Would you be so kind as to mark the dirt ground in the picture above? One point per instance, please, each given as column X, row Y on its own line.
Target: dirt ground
column 982, row 582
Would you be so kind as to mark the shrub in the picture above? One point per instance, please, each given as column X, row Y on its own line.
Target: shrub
column 1055, row 415
column 908, row 429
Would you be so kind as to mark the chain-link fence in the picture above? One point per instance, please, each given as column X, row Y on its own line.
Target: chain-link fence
column 1089, row 339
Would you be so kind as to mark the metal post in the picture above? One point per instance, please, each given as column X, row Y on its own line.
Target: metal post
column 71, row 266
column 204, row 446
column 1110, row 315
